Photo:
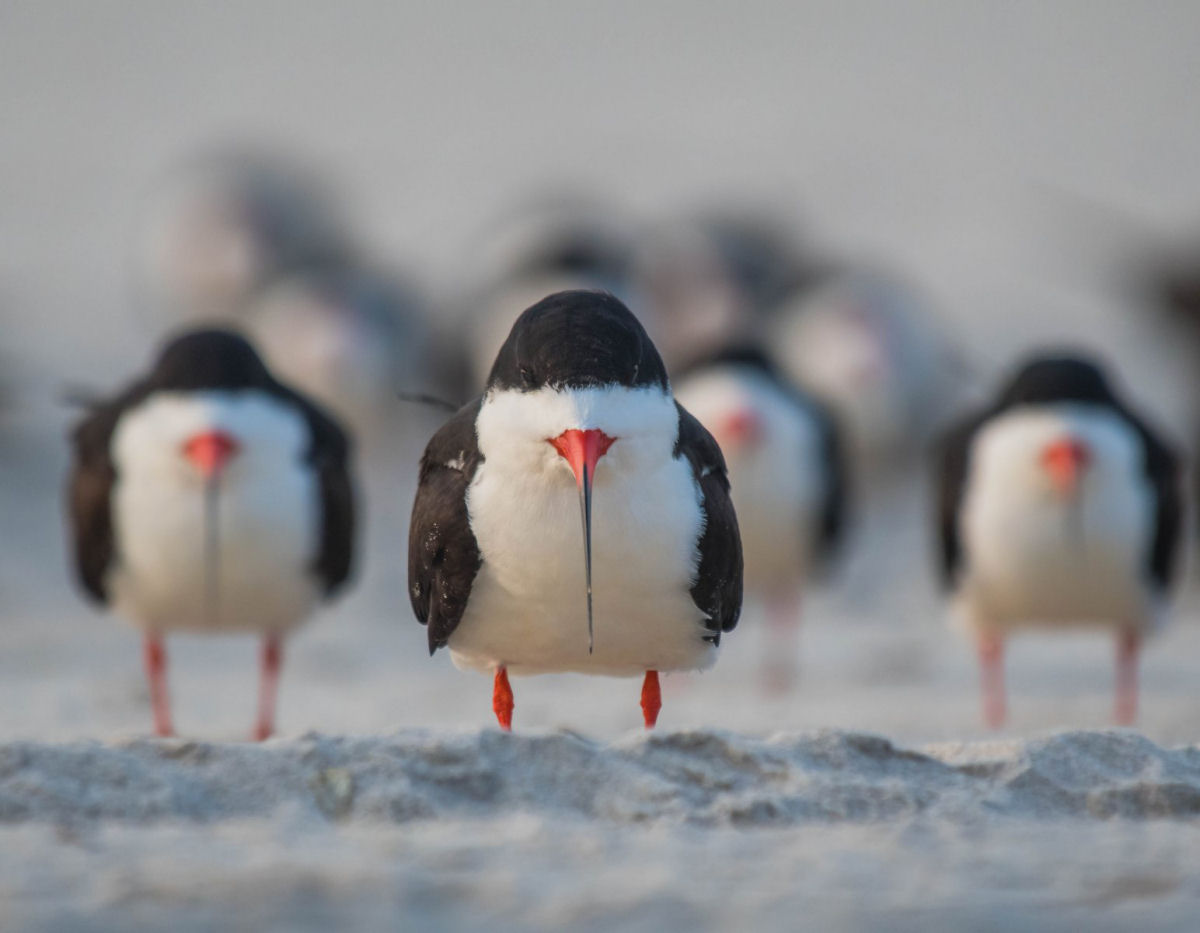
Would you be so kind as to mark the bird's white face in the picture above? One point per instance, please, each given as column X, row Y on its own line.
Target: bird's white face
column 735, row 406
column 606, row 456
column 525, row 430
column 1057, row 453
column 194, row 438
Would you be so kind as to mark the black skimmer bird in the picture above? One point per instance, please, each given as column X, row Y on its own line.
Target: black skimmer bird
column 862, row 340
column 705, row 280
column 1058, row 506
column 788, row 476
column 225, row 223
column 349, row 337
column 207, row 496
column 577, row 419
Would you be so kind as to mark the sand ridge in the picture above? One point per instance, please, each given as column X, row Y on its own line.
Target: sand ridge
column 701, row 778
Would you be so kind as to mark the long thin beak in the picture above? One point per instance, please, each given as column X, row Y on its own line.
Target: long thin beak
column 209, row 452
column 212, row 549
column 582, row 450
column 1066, row 461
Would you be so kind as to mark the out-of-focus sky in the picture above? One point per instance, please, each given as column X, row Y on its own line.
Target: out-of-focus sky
column 993, row 150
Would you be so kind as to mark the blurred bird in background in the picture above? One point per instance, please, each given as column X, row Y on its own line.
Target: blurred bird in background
column 1058, row 506
column 863, row 341
column 257, row 238
column 556, row 242
column 705, row 279
column 352, row 338
column 207, row 496
column 788, row 479
column 225, row 222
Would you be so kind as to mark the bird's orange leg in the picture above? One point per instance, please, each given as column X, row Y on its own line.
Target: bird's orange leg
column 502, row 699
column 268, row 685
column 154, row 655
column 1129, row 646
column 651, row 699
column 991, row 666
column 780, row 669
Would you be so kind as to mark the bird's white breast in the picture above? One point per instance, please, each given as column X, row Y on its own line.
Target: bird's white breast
column 1031, row 556
column 779, row 484
column 527, row 609
column 267, row 516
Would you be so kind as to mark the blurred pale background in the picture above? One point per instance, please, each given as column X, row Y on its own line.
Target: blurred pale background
column 1013, row 159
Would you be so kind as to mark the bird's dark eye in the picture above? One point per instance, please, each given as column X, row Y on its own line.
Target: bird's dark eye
column 528, row 377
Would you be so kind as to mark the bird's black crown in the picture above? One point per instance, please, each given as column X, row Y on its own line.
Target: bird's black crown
column 575, row 340
column 209, row 359
column 1058, row 378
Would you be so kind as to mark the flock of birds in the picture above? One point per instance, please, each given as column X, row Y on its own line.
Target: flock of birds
column 617, row 479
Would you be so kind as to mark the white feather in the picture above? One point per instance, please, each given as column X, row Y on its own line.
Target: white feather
column 1033, row 558
column 267, row 515
column 527, row 609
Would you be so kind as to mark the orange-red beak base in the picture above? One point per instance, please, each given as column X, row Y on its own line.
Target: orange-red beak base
column 582, row 450
column 1065, row 460
column 210, row 452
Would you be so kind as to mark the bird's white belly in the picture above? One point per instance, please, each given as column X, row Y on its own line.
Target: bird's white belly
column 528, row 611
column 258, row 575
column 1040, row 560
column 778, row 524
column 260, row 579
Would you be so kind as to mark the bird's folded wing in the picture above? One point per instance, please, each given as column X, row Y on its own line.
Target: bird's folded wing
column 717, row 590
column 443, row 556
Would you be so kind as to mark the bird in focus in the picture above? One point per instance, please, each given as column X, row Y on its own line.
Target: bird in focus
column 574, row 517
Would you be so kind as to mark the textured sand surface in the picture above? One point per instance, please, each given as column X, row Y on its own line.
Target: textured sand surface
column 704, row 829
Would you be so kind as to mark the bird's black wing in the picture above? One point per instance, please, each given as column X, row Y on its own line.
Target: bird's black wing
column 443, row 556
column 89, row 497
column 953, row 454
column 329, row 455
column 717, row 591
column 835, row 506
column 1164, row 470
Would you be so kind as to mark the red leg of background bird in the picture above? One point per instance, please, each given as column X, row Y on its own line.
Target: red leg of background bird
column 1129, row 646
column 268, row 686
column 155, row 657
column 991, row 663
column 502, row 700
column 781, row 668
column 651, row 699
